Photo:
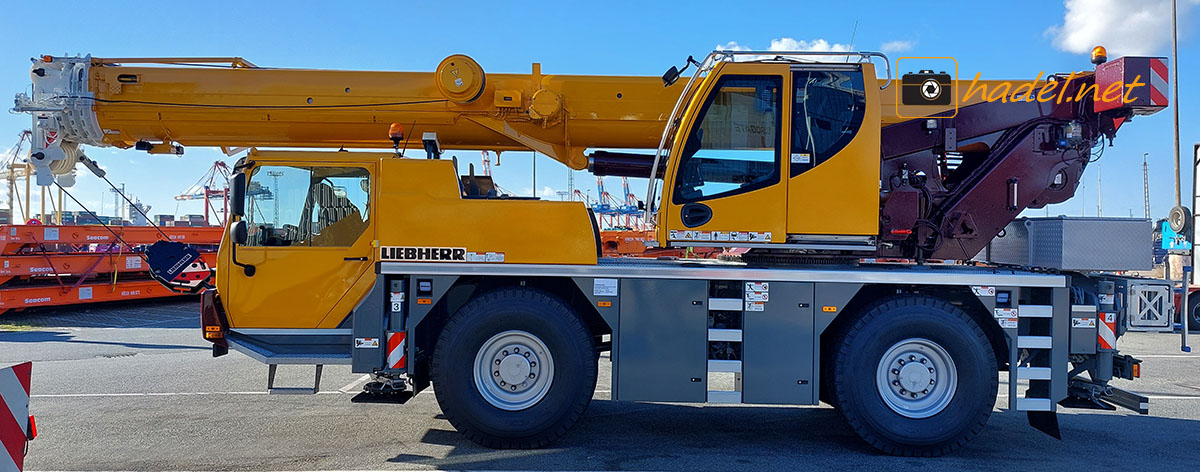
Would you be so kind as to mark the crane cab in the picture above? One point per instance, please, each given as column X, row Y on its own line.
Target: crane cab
column 776, row 154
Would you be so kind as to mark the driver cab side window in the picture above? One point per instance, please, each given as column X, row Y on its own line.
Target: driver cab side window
column 734, row 147
column 292, row 206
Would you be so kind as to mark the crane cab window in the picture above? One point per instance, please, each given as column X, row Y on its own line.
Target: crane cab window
column 307, row 206
column 734, row 146
column 827, row 114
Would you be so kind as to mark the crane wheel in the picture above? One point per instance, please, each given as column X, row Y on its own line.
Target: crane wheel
column 1193, row 313
column 915, row 376
column 514, row 368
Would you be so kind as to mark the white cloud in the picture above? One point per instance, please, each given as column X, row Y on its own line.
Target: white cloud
column 546, row 192
column 897, row 46
column 1123, row 27
column 788, row 44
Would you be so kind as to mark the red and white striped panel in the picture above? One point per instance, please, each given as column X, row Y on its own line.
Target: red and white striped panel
column 395, row 350
column 14, row 415
column 1106, row 330
column 1158, row 82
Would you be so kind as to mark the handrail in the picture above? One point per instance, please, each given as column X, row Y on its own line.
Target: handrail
column 862, row 55
column 234, row 62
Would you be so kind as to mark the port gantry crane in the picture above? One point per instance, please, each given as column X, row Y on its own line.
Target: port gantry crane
column 409, row 271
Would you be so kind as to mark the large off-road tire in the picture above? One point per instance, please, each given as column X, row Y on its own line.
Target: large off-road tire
column 514, row 368
column 1193, row 313
column 915, row 376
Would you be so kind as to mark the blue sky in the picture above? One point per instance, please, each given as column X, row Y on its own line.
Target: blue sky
column 1015, row 40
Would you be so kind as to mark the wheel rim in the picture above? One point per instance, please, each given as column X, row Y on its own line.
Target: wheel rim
column 916, row 378
column 1196, row 311
column 513, row 370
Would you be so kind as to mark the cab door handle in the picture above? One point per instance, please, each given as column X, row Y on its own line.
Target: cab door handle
column 695, row 214
column 363, row 258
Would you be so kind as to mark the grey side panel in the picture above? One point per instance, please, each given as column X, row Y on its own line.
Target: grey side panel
column 829, row 294
column 591, row 287
column 663, row 340
column 1083, row 334
column 777, row 365
column 836, row 295
column 1061, row 334
column 368, row 323
column 417, row 311
column 1010, row 335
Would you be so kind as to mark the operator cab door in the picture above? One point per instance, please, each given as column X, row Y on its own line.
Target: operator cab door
column 727, row 186
column 310, row 241
column 833, row 168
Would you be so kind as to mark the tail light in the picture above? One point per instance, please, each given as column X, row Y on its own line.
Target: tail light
column 212, row 318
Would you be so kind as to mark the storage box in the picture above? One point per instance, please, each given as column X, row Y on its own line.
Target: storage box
column 1075, row 243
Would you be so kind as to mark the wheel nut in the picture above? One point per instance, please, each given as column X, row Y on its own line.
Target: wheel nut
column 931, row 370
column 516, row 349
column 926, row 391
column 526, row 354
column 514, row 388
column 531, row 375
column 497, row 361
column 505, row 352
column 931, row 381
column 533, row 364
column 924, row 361
column 901, row 361
column 502, row 384
column 496, row 374
column 903, row 392
column 896, row 371
column 914, row 395
column 912, row 358
column 896, row 383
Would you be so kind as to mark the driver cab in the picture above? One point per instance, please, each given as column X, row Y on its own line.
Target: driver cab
column 776, row 153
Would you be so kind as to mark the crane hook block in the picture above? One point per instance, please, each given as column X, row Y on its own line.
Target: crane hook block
column 460, row 79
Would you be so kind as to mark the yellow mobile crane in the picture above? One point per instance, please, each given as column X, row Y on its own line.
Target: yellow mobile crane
column 417, row 272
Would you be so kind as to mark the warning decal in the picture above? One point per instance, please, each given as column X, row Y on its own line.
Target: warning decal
column 731, row 236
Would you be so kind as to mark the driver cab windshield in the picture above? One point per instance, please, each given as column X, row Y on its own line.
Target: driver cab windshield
column 289, row 206
column 734, row 148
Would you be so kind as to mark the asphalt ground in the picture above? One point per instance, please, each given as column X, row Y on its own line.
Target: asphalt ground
column 134, row 387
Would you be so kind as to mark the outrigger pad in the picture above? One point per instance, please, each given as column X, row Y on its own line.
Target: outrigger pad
column 1046, row 422
column 178, row 266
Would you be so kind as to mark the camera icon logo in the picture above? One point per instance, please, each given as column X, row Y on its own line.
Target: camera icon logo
column 925, row 88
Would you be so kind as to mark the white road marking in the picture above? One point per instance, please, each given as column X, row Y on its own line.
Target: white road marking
column 1152, row 397
column 1157, row 356
column 355, row 385
column 163, row 394
column 343, row 392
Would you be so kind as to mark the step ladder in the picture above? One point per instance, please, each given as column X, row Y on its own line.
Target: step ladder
column 1035, row 335
column 725, row 321
column 273, row 390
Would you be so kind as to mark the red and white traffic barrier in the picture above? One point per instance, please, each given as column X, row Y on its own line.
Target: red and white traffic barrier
column 1158, row 82
column 395, row 350
column 16, row 424
column 1106, row 330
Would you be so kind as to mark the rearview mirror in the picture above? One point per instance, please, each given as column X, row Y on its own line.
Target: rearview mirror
column 237, row 195
column 671, row 76
column 238, row 233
